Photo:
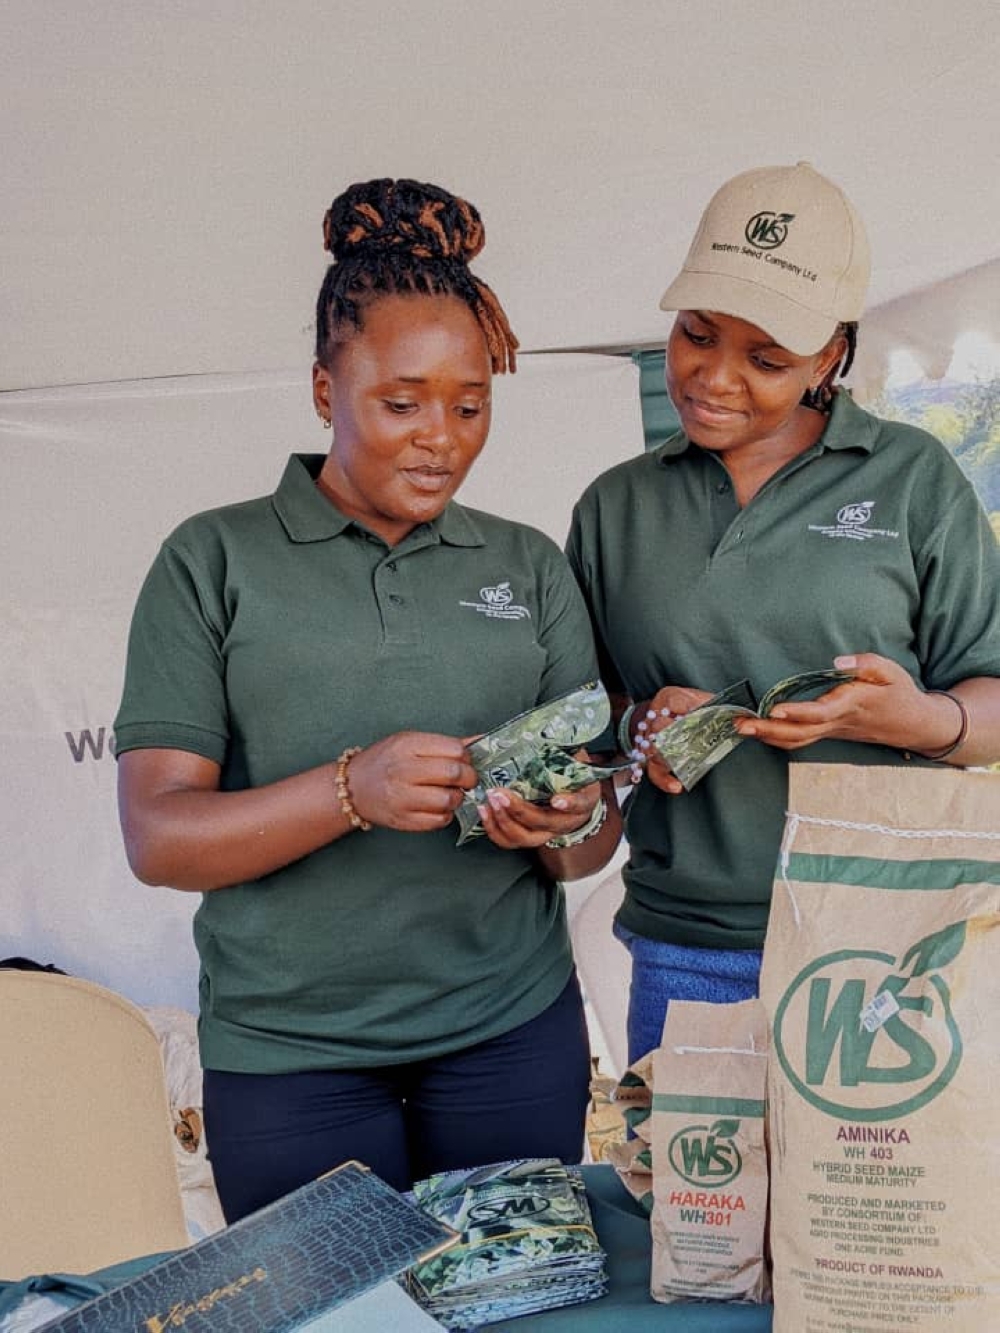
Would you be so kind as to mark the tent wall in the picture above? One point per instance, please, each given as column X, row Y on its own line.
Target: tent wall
column 166, row 167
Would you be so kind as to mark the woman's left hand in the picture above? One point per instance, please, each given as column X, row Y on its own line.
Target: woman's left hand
column 512, row 822
column 882, row 705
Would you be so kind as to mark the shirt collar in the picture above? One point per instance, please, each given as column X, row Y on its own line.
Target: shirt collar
column 848, row 427
column 308, row 516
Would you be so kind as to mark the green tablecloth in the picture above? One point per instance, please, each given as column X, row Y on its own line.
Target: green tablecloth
column 623, row 1229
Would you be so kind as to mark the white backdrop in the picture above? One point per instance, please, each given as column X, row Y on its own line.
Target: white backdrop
column 93, row 479
column 166, row 166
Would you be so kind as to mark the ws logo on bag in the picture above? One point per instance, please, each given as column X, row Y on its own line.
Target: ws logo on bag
column 707, row 1154
column 854, row 1021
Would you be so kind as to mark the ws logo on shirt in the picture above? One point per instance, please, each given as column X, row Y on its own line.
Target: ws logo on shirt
column 853, row 516
column 852, row 522
column 497, row 602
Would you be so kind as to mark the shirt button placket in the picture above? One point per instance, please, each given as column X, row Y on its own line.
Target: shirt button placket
column 396, row 605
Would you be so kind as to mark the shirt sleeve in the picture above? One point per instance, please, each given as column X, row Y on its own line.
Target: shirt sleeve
column 958, row 628
column 174, row 693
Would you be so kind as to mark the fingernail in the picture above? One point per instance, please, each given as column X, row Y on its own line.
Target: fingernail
column 845, row 663
column 559, row 803
column 498, row 799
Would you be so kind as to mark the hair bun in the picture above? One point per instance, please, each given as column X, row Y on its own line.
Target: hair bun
column 403, row 215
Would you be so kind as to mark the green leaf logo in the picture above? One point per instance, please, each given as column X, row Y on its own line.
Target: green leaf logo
column 934, row 951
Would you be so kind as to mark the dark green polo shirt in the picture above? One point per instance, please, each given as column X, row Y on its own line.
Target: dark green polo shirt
column 872, row 541
column 269, row 636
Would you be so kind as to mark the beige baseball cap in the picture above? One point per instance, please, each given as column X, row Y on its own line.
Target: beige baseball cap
column 783, row 248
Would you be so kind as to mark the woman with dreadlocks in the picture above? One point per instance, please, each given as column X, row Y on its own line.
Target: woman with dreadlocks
column 782, row 529
column 303, row 672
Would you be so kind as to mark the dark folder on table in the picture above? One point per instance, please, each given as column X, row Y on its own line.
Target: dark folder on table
column 278, row 1269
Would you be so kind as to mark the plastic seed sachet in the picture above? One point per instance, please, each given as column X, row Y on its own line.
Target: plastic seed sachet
column 532, row 753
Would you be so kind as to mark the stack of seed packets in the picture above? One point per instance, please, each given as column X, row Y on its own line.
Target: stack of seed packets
column 527, row 1243
column 530, row 753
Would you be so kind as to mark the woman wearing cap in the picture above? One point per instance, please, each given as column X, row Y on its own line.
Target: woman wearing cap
column 302, row 671
column 782, row 529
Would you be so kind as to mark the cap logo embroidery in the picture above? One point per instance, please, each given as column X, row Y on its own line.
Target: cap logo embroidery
column 766, row 231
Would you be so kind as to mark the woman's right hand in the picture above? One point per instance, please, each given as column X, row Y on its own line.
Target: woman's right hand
column 667, row 703
column 411, row 780
column 181, row 829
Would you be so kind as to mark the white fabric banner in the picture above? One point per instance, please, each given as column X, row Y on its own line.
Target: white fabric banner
column 94, row 478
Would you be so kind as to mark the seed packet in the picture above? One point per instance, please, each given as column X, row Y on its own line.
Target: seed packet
column 527, row 1243
column 533, row 753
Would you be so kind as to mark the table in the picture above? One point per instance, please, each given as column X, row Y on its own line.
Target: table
column 623, row 1230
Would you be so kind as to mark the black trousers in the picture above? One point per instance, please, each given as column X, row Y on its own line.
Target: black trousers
column 522, row 1094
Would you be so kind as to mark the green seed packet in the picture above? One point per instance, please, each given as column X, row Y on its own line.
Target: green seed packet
column 532, row 753
column 696, row 742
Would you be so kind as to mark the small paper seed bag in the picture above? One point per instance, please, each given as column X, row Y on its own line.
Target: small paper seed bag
column 709, row 1157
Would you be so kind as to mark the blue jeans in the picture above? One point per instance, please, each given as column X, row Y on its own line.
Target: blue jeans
column 522, row 1094
column 664, row 972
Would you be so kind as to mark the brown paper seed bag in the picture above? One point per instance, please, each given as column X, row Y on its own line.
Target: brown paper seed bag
column 709, row 1158
column 881, row 979
column 634, row 1094
column 634, row 1163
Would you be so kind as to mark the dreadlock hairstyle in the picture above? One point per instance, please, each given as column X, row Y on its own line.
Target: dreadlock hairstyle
column 821, row 397
column 390, row 237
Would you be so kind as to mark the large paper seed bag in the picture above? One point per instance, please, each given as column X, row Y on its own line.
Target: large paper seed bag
column 881, row 979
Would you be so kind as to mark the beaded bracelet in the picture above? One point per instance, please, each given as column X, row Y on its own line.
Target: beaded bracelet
column 593, row 825
column 343, row 795
column 624, row 736
column 643, row 741
column 963, row 730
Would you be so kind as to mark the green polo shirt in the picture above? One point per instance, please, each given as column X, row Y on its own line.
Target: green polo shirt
column 269, row 636
column 872, row 541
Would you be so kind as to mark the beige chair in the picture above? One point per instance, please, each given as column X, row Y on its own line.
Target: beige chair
column 602, row 963
column 87, row 1175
